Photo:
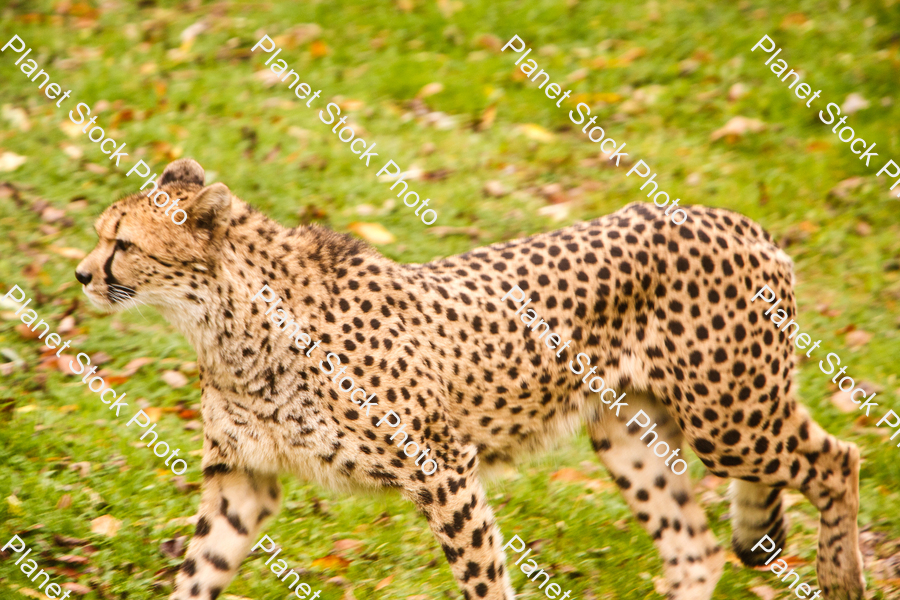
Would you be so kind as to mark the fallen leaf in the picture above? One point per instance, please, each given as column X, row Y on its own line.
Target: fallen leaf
column 557, row 212
column 106, row 525
column 569, row 475
column 15, row 505
column 67, row 325
column 862, row 228
column 843, row 188
column 445, row 230
column 331, row 562
column 318, row 49
column 32, row 593
column 10, row 161
column 77, row 588
column 17, row 117
column 495, row 189
column 174, row 379
column 26, row 332
column 487, row 118
column 737, row 91
column 65, row 501
column 372, row 232
column 385, row 582
column 764, row 592
column 132, row 367
column 842, row 402
column 854, row 103
column 73, row 559
column 430, row 89
column 858, row 338
column 344, row 545
column 174, row 547
column 72, row 253
column 83, row 468
column 536, row 132
column 154, row 413
column 737, row 127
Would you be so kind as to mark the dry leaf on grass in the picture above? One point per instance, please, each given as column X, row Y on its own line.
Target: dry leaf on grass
column 737, row 127
column 858, row 338
column 10, row 161
column 77, row 588
column 854, row 103
column 569, row 475
column 495, row 188
column 536, row 132
column 72, row 253
column 384, row 582
column 106, row 525
column 430, row 90
column 374, row 233
column 764, row 592
column 331, row 562
column 133, row 366
column 842, row 401
column 174, row 379
column 442, row 231
column 344, row 545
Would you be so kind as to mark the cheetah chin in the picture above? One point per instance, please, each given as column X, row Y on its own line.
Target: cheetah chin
column 662, row 310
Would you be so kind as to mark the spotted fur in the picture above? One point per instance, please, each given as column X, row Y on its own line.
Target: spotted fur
column 662, row 309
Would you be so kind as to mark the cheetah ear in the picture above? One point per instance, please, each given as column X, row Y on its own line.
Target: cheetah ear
column 210, row 208
column 183, row 170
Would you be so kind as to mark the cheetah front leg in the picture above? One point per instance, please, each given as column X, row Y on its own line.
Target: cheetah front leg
column 454, row 503
column 233, row 507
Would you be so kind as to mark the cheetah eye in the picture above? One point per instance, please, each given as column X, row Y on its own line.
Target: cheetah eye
column 123, row 245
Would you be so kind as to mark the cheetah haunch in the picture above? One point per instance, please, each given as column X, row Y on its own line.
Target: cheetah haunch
column 662, row 309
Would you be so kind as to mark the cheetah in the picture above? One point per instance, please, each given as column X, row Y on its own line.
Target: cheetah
column 663, row 310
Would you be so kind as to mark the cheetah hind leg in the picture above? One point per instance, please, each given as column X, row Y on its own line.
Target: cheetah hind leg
column 662, row 501
column 756, row 511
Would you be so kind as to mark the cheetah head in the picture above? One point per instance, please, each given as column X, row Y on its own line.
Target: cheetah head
column 143, row 256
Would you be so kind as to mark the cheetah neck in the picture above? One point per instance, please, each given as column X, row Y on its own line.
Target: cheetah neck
column 220, row 317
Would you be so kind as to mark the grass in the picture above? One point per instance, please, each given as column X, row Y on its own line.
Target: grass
column 166, row 98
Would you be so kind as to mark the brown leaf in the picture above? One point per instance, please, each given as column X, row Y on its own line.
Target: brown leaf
column 384, row 582
column 841, row 401
column 73, row 559
column 174, row 547
column 430, row 89
column 331, row 562
column 77, row 588
column 442, row 231
column 569, row 475
column 154, row 413
column 174, row 379
column 845, row 187
column 71, row 542
column 25, row 331
column 106, row 525
column 858, row 338
column 764, row 592
column 487, row 118
column 65, row 501
column 132, row 367
column 374, row 233
column 83, row 468
column 736, row 127
column 495, row 188
column 344, row 545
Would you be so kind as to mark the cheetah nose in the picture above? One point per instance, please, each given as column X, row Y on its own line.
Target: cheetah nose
column 83, row 278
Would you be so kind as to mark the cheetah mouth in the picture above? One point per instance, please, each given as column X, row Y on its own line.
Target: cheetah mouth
column 117, row 294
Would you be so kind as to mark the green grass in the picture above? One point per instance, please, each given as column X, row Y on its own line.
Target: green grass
column 207, row 104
